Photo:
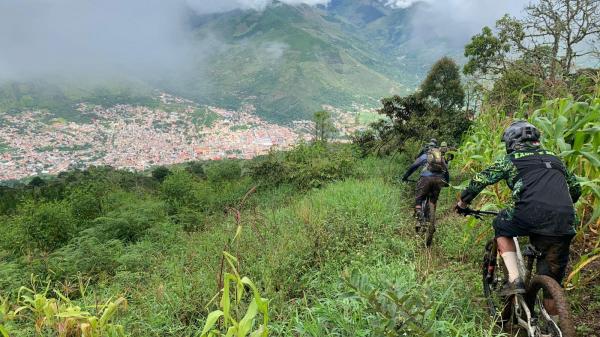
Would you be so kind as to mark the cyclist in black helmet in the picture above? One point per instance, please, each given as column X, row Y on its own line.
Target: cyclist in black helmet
column 543, row 194
column 432, row 144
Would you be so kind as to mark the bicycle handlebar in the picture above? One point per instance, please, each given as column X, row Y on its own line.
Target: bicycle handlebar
column 477, row 213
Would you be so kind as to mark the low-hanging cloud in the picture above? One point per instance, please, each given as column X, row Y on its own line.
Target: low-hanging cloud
column 101, row 38
column 217, row 6
column 152, row 38
column 399, row 3
column 455, row 21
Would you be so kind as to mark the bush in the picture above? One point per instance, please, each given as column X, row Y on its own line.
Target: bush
column 160, row 173
column 49, row 225
column 88, row 256
column 224, row 170
column 178, row 190
column 196, row 168
column 189, row 219
column 86, row 202
column 306, row 166
column 129, row 222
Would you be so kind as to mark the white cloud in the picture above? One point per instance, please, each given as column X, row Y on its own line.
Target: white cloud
column 91, row 38
column 217, row 6
column 457, row 20
column 399, row 3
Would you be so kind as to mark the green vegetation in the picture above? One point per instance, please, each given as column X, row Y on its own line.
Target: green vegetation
column 204, row 117
column 60, row 99
column 318, row 230
column 324, row 127
column 434, row 111
column 315, row 241
column 159, row 245
column 4, row 147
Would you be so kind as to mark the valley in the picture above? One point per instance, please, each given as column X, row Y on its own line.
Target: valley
column 137, row 138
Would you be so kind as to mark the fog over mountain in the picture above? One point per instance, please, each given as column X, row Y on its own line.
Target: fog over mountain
column 458, row 20
column 87, row 39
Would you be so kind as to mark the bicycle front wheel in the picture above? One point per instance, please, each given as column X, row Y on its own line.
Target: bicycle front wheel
column 544, row 292
column 494, row 276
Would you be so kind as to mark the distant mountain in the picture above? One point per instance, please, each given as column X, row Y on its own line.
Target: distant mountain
column 286, row 61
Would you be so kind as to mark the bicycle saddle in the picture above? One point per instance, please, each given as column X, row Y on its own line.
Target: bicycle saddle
column 531, row 251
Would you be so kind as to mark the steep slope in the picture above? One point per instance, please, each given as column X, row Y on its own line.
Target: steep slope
column 288, row 61
column 285, row 61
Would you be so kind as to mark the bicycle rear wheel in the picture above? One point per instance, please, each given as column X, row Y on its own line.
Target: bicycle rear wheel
column 430, row 223
column 543, row 287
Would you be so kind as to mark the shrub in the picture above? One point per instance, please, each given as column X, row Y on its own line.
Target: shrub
column 49, row 225
column 196, row 168
column 306, row 166
column 160, row 173
column 129, row 222
column 189, row 219
column 88, row 256
column 86, row 202
column 223, row 170
column 178, row 190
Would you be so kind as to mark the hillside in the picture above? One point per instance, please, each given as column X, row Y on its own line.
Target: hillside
column 289, row 61
column 318, row 231
column 286, row 61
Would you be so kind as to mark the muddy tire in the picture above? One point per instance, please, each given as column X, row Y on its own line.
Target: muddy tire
column 541, row 285
column 430, row 224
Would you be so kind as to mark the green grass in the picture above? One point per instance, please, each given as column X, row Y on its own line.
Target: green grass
column 367, row 117
column 4, row 147
column 298, row 246
column 204, row 117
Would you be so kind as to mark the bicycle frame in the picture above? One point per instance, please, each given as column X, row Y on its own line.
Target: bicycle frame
column 523, row 311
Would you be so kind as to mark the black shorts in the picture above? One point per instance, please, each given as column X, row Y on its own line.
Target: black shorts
column 555, row 255
column 554, row 249
column 429, row 186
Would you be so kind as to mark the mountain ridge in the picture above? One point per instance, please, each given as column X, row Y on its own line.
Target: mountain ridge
column 286, row 61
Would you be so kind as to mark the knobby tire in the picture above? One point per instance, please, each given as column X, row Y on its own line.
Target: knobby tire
column 430, row 224
column 547, row 284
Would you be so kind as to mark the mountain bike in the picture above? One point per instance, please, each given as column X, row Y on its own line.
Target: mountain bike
column 523, row 313
column 426, row 219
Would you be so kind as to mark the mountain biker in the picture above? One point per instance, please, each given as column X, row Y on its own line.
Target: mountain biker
column 432, row 143
column 448, row 156
column 433, row 177
column 543, row 194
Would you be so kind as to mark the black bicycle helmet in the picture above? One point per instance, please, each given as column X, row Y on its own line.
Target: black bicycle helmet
column 518, row 134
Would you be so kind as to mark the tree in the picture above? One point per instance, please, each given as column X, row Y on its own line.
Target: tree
column 513, row 88
column 435, row 111
column 160, row 173
column 324, row 127
column 443, row 86
column 37, row 182
column 544, row 43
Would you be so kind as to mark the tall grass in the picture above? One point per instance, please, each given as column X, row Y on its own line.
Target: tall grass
column 571, row 129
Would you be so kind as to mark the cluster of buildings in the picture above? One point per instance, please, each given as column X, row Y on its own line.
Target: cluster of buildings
column 134, row 137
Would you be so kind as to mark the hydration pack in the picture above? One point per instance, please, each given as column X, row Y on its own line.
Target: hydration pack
column 435, row 161
column 544, row 204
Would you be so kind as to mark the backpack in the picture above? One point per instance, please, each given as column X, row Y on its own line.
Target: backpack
column 435, row 161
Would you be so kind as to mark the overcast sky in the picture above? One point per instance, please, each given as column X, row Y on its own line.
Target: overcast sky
column 458, row 20
column 45, row 38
